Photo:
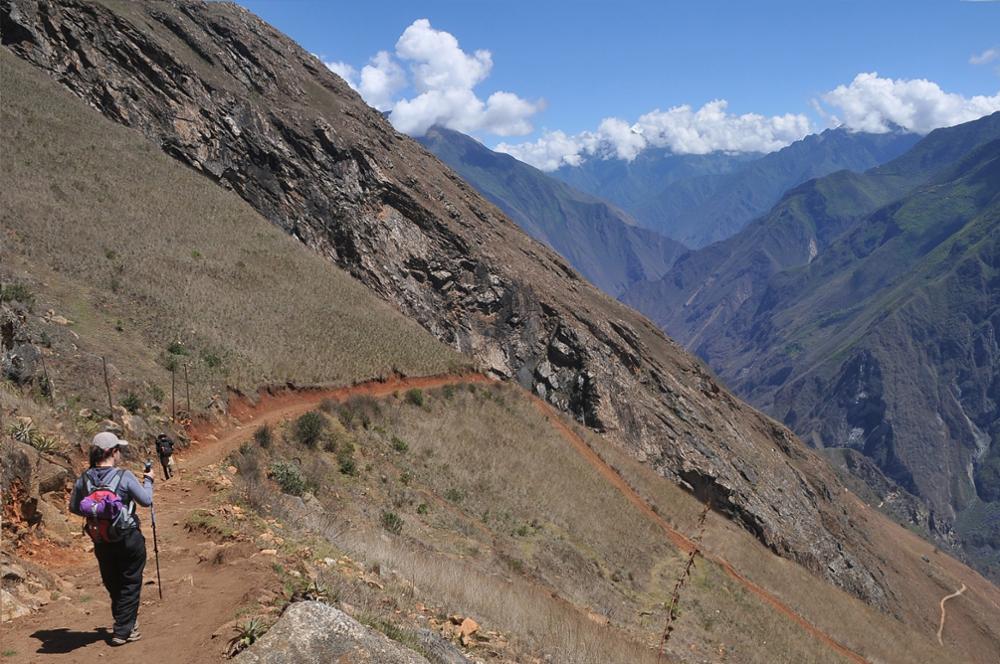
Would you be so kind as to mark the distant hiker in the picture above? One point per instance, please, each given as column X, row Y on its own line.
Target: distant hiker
column 165, row 450
column 106, row 495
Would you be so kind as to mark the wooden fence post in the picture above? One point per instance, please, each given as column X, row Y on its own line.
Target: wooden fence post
column 107, row 386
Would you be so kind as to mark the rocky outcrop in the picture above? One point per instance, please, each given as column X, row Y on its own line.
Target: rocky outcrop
column 33, row 488
column 19, row 358
column 229, row 96
column 314, row 633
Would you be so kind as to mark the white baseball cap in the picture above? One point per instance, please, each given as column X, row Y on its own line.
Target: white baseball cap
column 107, row 440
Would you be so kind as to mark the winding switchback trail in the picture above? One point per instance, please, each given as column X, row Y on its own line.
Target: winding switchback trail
column 944, row 599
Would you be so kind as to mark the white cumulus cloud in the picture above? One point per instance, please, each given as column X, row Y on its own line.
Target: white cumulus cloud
column 378, row 82
column 681, row 129
column 443, row 78
column 872, row 103
column 984, row 58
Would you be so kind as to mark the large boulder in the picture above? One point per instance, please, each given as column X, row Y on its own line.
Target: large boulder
column 316, row 633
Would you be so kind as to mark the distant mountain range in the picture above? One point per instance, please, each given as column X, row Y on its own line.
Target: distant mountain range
column 699, row 199
column 864, row 312
column 598, row 239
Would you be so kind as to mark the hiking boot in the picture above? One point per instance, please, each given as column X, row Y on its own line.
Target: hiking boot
column 120, row 641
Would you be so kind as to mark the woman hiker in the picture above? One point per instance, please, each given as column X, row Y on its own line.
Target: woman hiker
column 106, row 495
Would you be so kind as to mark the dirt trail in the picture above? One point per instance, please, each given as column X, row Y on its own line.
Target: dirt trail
column 944, row 599
column 680, row 540
column 200, row 596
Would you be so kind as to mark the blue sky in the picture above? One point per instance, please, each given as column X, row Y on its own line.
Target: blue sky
column 571, row 65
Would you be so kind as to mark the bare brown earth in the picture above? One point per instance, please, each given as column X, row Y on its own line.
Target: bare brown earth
column 202, row 597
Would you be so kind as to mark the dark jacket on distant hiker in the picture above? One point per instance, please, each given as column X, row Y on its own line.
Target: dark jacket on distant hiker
column 165, row 450
column 121, row 562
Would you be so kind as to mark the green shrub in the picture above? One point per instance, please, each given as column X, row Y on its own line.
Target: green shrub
column 288, row 477
column 454, row 495
column 131, row 402
column 345, row 458
column 156, row 393
column 399, row 444
column 422, row 508
column 211, row 360
column 176, row 348
column 406, row 478
column 415, row 396
column 348, row 466
column 392, row 522
column 263, row 436
column 309, row 428
column 17, row 293
column 448, row 391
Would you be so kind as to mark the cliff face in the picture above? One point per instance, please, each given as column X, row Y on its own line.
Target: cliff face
column 234, row 99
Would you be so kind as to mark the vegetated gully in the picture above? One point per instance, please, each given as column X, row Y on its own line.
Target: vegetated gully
column 274, row 407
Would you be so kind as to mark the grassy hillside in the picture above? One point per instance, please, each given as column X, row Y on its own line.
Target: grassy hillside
column 144, row 255
column 493, row 514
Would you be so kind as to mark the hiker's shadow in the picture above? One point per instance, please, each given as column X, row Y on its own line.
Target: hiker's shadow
column 62, row 640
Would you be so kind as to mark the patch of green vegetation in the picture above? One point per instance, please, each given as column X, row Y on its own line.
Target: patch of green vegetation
column 17, row 293
column 309, row 428
column 263, row 436
column 415, row 397
column 454, row 495
column 392, row 522
column 288, row 477
column 131, row 402
column 211, row 360
column 423, row 508
column 177, row 348
column 399, row 444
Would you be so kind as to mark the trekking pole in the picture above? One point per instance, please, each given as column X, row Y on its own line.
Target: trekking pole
column 156, row 545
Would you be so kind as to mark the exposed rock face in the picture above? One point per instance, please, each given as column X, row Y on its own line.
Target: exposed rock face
column 316, row 633
column 19, row 358
column 241, row 103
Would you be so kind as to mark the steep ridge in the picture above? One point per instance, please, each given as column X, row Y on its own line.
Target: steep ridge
column 600, row 241
column 84, row 191
column 808, row 309
column 704, row 208
column 237, row 101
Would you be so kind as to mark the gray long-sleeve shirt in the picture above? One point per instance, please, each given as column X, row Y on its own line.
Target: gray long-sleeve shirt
column 129, row 489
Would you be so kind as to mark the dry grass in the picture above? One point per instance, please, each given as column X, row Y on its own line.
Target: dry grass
column 879, row 637
column 139, row 250
column 521, row 533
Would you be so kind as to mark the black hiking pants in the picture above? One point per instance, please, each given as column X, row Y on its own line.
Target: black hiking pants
column 165, row 460
column 121, row 566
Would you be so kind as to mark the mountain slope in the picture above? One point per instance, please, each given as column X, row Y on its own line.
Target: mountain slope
column 230, row 97
column 699, row 210
column 805, row 309
column 597, row 239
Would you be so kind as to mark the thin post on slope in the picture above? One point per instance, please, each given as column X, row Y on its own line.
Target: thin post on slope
column 173, row 389
column 107, row 386
column 49, row 387
column 187, row 390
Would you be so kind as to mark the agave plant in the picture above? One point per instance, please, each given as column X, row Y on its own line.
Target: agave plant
column 45, row 443
column 247, row 633
column 23, row 431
